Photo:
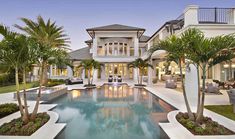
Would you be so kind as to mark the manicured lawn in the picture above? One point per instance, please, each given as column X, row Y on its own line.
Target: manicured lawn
column 225, row 110
column 11, row 88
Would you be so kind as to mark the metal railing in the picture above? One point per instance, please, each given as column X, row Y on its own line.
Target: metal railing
column 215, row 15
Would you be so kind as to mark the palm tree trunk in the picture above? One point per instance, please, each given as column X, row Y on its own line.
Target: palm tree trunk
column 141, row 76
column 26, row 115
column 201, row 108
column 184, row 93
column 45, row 76
column 89, row 76
column 35, row 110
column 18, row 92
column 199, row 90
column 230, row 70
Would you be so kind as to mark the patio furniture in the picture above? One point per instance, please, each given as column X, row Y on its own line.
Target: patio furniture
column 231, row 94
column 73, row 81
column 171, row 84
column 119, row 79
column 166, row 77
column 110, row 79
column 212, row 88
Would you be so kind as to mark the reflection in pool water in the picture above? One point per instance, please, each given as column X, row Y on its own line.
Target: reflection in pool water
column 111, row 112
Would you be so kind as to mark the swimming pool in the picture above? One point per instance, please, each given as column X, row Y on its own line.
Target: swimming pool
column 111, row 112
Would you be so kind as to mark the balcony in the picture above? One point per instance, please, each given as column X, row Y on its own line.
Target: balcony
column 195, row 15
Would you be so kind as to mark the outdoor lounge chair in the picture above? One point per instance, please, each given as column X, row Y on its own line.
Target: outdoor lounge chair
column 119, row 79
column 74, row 81
column 231, row 94
column 110, row 79
column 171, row 84
column 212, row 88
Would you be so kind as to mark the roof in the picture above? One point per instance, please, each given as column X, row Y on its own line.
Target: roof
column 166, row 23
column 80, row 54
column 144, row 38
column 115, row 27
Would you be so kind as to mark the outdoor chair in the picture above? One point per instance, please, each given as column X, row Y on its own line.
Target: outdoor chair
column 212, row 88
column 110, row 79
column 231, row 94
column 119, row 79
column 71, row 81
column 171, row 84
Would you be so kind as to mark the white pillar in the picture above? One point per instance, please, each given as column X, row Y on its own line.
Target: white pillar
column 51, row 67
column 70, row 72
column 216, row 72
column 232, row 16
column 150, row 74
column 95, row 43
column 83, row 74
column 135, row 74
column 191, row 15
column 136, row 46
column 95, row 75
column 103, row 73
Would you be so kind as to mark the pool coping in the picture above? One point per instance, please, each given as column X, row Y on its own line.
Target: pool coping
column 176, row 131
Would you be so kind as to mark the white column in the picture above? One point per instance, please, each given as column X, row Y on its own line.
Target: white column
column 95, row 43
column 150, row 74
column 70, row 72
column 191, row 15
column 51, row 67
column 135, row 74
column 83, row 74
column 103, row 73
column 136, row 46
column 95, row 75
column 216, row 72
column 232, row 16
column 107, row 48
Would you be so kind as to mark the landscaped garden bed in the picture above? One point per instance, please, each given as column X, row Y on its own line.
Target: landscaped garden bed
column 7, row 109
column 206, row 127
column 18, row 128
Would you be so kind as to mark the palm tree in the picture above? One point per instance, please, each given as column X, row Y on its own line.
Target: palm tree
column 173, row 46
column 140, row 64
column 90, row 65
column 87, row 65
column 205, row 53
column 12, row 55
column 49, row 37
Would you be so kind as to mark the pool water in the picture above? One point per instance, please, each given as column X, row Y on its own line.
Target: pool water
column 111, row 112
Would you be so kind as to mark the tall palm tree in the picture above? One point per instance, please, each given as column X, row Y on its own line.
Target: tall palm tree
column 205, row 53
column 140, row 64
column 12, row 52
column 173, row 46
column 48, row 36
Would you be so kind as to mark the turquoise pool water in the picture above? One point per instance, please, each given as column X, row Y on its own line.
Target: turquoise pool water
column 111, row 112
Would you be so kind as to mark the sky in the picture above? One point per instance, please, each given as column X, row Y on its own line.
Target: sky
column 78, row 15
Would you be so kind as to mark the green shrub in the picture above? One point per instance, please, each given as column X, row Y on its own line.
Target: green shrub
column 199, row 130
column 8, row 108
column 190, row 124
column 19, row 128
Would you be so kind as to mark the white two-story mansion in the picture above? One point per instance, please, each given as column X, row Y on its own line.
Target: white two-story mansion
column 116, row 45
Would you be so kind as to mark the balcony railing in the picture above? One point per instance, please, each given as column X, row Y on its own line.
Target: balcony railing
column 215, row 15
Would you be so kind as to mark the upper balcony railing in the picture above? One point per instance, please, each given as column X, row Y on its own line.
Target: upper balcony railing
column 215, row 15
column 208, row 16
